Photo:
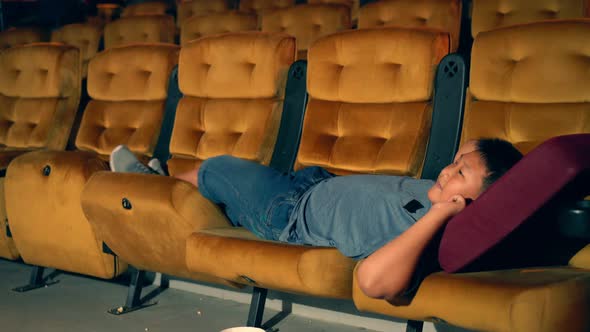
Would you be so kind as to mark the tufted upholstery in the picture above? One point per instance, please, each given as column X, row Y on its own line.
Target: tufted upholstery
column 369, row 108
column 188, row 9
column 145, row 8
column 85, row 37
column 139, row 29
column 307, row 23
column 262, row 6
column 232, row 102
column 19, row 36
column 491, row 14
column 199, row 26
column 233, row 88
column 128, row 86
column 525, row 92
column 437, row 14
column 352, row 123
column 39, row 95
column 352, row 4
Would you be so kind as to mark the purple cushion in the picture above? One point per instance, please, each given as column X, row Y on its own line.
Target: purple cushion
column 514, row 198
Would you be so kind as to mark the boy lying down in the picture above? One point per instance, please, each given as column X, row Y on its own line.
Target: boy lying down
column 389, row 221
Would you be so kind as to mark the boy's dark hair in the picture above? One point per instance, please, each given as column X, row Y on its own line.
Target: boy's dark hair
column 499, row 156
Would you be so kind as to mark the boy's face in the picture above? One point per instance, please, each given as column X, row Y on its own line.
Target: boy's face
column 463, row 177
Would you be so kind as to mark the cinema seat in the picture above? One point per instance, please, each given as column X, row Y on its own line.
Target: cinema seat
column 370, row 112
column 39, row 95
column 139, row 29
column 128, row 86
column 20, row 36
column 307, row 23
column 145, row 8
column 199, row 26
column 491, row 14
column 85, row 37
column 354, row 5
column 188, row 9
column 524, row 92
column 263, row 6
column 444, row 15
column 233, row 88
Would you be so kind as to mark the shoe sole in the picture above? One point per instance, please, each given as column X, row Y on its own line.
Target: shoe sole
column 119, row 147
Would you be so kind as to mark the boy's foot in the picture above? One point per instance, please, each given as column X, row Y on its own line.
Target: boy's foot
column 155, row 164
column 124, row 161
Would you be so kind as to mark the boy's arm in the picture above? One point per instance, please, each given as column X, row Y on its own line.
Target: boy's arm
column 387, row 272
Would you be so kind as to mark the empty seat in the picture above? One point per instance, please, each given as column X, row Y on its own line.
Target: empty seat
column 39, row 95
column 354, row 5
column 307, row 23
column 525, row 92
column 139, row 29
column 199, row 26
column 233, row 86
column 262, row 6
column 491, row 14
column 128, row 86
column 444, row 15
column 145, row 8
column 188, row 9
column 19, row 36
column 85, row 37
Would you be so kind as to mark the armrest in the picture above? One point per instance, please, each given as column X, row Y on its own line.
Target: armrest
column 146, row 219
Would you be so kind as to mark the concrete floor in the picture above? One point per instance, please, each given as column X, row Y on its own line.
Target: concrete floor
column 78, row 303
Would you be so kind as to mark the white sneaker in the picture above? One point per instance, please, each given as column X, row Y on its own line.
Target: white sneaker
column 155, row 164
column 124, row 161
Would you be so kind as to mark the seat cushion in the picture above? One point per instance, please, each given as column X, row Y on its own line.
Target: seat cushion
column 443, row 15
column 520, row 300
column 237, row 255
column 492, row 14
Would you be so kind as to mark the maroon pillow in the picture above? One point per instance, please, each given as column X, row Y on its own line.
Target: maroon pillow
column 514, row 198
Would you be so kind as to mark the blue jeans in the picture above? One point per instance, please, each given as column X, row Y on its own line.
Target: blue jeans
column 254, row 196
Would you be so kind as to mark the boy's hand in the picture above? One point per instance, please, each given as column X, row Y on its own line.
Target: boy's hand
column 451, row 207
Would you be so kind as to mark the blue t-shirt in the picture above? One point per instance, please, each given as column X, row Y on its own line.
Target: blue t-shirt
column 357, row 214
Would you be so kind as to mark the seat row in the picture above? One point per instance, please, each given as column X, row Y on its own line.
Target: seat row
column 305, row 22
column 386, row 101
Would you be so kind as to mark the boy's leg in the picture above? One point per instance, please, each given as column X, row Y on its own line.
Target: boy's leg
column 254, row 196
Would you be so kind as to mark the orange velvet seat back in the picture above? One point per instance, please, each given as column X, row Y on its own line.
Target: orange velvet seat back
column 262, row 6
column 491, row 14
column 86, row 37
column 354, row 5
column 128, row 86
column 370, row 101
column 307, row 23
column 233, row 86
column 524, row 90
column 139, row 29
column 39, row 95
column 199, row 26
column 145, row 8
column 188, row 9
column 19, row 36
column 444, row 15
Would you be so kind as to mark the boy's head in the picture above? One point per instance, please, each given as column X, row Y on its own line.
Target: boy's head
column 477, row 164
